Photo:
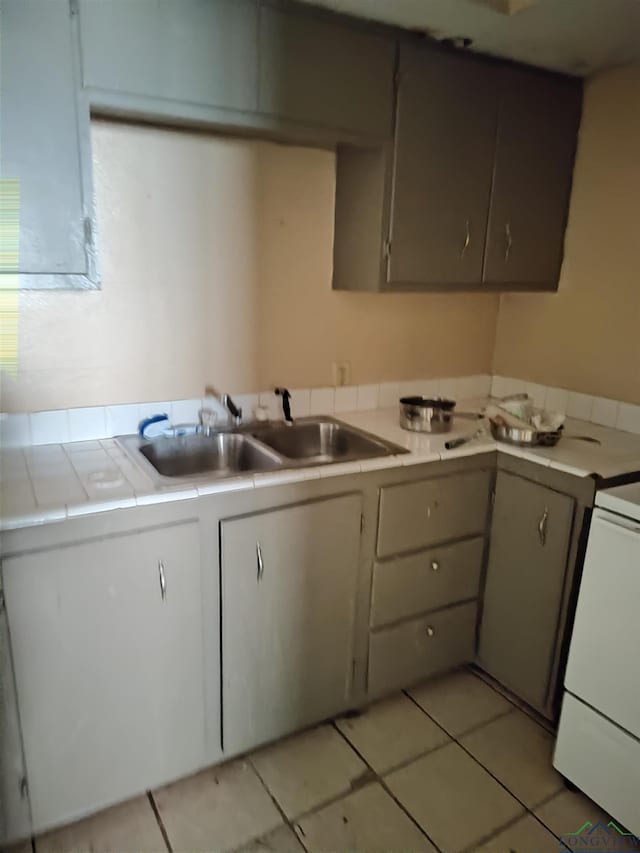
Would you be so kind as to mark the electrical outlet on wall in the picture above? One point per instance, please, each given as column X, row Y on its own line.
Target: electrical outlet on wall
column 341, row 373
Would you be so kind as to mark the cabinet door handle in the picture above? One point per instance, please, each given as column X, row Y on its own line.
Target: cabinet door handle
column 435, row 566
column 508, row 241
column 467, row 239
column 430, row 631
column 163, row 580
column 542, row 526
column 260, row 561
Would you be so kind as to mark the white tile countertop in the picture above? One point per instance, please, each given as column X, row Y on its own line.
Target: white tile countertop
column 52, row 482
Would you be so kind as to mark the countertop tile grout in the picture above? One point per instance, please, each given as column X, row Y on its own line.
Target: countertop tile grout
column 622, row 455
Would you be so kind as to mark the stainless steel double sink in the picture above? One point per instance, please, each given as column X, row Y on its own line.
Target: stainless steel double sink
column 255, row 448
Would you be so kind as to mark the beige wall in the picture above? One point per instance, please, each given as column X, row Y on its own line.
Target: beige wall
column 216, row 268
column 587, row 336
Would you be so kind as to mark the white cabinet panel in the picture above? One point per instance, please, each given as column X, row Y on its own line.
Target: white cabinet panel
column 601, row 759
column 606, row 633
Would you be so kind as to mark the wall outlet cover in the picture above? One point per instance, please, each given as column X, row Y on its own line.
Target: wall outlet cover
column 341, row 373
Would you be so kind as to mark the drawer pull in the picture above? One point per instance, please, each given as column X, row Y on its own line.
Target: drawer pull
column 430, row 631
column 431, row 508
column 435, row 566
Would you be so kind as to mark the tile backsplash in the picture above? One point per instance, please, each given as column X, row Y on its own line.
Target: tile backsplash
column 98, row 422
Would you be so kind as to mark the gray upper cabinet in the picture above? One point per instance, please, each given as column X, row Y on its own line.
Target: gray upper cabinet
column 194, row 52
column 319, row 72
column 289, row 581
column 44, row 143
column 474, row 192
column 107, row 642
column 444, row 146
column 535, row 149
column 526, row 575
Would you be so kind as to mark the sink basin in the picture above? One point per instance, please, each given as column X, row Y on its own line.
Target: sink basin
column 254, row 449
column 221, row 455
column 322, row 441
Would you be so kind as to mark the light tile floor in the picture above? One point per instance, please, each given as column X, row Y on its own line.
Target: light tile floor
column 451, row 766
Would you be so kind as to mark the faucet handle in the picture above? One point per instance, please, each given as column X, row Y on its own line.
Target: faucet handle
column 234, row 411
column 286, row 406
column 207, row 418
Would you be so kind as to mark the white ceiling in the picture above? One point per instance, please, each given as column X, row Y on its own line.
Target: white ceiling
column 576, row 36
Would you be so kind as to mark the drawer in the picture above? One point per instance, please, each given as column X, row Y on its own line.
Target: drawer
column 410, row 585
column 405, row 654
column 601, row 759
column 415, row 515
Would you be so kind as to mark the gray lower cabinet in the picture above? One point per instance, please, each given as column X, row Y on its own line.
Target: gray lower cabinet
column 406, row 653
column 447, row 108
column 107, row 644
column 426, row 578
column 44, row 139
column 527, row 571
column 322, row 72
column 415, row 515
column 289, row 582
column 410, row 585
column 15, row 817
column 535, row 149
column 198, row 52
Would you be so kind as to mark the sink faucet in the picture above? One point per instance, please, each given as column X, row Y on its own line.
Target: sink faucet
column 286, row 405
column 235, row 412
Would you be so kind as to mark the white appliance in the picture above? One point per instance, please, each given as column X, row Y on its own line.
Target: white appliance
column 598, row 746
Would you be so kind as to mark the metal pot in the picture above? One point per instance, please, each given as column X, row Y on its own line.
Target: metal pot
column 523, row 437
column 532, row 437
column 424, row 414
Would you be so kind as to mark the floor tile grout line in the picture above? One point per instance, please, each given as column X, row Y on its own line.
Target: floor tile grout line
column 486, row 769
column 527, row 813
column 377, row 778
column 520, row 705
column 372, row 776
column 454, row 739
column 466, row 732
column 287, row 821
column 156, row 812
column 540, row 805
column 476, row 845
column 357, row 784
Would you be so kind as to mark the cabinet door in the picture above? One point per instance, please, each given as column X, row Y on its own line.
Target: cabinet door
column 109, row 669
column 537, row 132
column 195, row 51
column 445, row 137
column 15, row 820
column 530, row 537
column 289, row 582
column 322, row 73
column 40, row 142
